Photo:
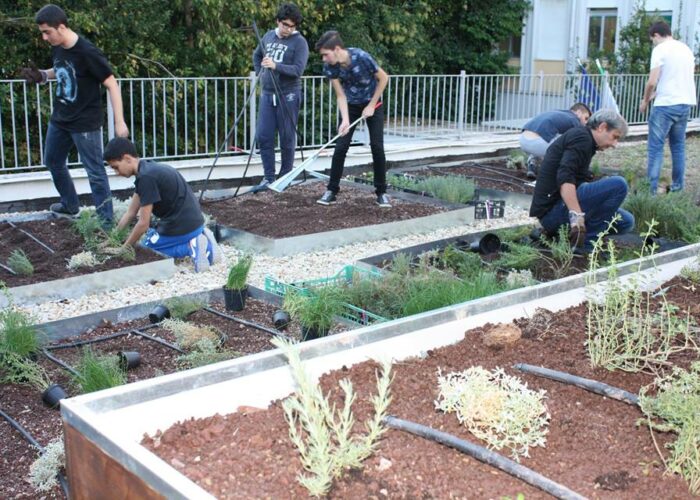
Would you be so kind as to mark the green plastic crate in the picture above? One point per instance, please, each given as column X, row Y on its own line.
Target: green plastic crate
column 351, row 313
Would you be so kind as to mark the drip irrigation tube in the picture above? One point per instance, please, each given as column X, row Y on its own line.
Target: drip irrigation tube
column 245, row 322
column 50, row 250
column 60, row 362
column 156, row 339
column 584, row 383
column 30, row 439
column 479, row 167
column 483, row 455
column 9, row 270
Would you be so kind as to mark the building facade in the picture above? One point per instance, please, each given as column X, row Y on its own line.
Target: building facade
column 557, row 32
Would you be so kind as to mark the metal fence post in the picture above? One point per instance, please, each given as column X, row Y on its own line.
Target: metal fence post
column 110, row 117
column 540, row 88
column 462, row 99
column 253, row 109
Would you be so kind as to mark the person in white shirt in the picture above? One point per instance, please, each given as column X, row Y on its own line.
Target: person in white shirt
column 671, row 85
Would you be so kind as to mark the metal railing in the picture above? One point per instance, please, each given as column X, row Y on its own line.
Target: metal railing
column 181, row 118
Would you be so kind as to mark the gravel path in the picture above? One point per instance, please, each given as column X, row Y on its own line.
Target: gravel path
column 301, row 266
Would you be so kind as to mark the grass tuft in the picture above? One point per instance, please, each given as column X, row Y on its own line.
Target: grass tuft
column 20, row 263
column 96, row 373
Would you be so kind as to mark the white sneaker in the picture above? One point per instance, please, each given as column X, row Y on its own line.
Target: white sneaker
column 200, row 253
column 214, row 250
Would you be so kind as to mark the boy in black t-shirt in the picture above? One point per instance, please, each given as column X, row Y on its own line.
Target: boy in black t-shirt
column 79, row 69
column 162, row 191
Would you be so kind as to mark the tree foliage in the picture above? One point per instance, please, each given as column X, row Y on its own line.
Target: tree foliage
column 214, row 37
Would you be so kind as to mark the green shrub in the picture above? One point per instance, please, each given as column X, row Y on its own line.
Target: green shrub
column 88, row 226
column 518, row 256
column 676, row 404
column 96, row 373
column 676, row 214
column 20, row 263
column 17, row 333
column 205, row 352
column 317, row 310
column 181, row 307
column 322, row 433
column 238, row 273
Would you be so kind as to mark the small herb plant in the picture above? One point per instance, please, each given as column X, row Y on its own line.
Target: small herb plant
column 674, row 408
column 562, row 253
column 96, row 373
column 181, row 307
column 317, row 310
column 322, row 433
column 83, row 259
column 496, row 407
column 676, row 215
column 188, row 335
column 20, row 263
column 625, row 329
column 238, row 273
column 43, row 473
column 17, row 333
column 16, row 369
column 205, row 352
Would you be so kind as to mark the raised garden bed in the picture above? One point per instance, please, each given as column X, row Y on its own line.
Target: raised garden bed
column 51, row 279
column 292, row 222
column 592, row 444
column 159, row 355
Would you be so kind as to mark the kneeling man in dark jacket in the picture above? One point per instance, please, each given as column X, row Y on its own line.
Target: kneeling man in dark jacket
column 562, row 193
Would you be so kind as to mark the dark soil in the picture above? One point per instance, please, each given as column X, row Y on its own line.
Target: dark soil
column 58, row 235
column 493, row 174
column 594, row 446
column 294, row 212
column 24, row 403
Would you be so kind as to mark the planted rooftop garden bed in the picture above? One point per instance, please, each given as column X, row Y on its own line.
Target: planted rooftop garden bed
column 641, row 342
column 295, row 212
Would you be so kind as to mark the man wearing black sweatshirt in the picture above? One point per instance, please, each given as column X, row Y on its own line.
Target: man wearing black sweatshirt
column 280, row 62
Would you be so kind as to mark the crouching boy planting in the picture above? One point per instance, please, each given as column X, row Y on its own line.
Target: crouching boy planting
column 162, row 191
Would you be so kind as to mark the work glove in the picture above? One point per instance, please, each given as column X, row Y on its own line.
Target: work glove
column 577, row 228
column 32, row 74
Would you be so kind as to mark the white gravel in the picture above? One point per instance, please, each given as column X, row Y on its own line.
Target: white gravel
column 291, row 268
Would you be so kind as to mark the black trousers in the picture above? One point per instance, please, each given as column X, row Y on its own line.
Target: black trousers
column 375, row 125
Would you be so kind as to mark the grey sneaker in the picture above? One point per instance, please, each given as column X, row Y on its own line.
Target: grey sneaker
column 214, row 250
column 60, row 209
column 328, row 198
column 531, row 167
column 200, row 253
column 383, row 201
column 263, row 186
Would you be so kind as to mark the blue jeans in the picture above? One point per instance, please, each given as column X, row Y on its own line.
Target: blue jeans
column 172, row 246
column 667, row 121
column 89, row 144
column 600, row 200
column 274, row 116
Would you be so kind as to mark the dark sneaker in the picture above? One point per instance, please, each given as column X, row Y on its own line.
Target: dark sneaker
column 531, row 167
column 263, row 186
column 214, row 250
column 383, row 201
column 199, row 247
column 60, row 209
column 328, row 198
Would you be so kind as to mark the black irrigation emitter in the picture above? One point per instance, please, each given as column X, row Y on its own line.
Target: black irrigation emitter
column 44, row 245
column 251, row 324
column 33, row 442
column 134, row 331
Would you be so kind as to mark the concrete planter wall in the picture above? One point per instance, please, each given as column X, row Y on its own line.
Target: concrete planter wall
column 109, row 425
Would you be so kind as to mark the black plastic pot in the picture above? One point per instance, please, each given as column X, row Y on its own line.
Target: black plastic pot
column 235, row 299
column 158, row 314
column 129, row 360
column 488, row 244
column 280, row 319
column 311, row 333
column 53, row 395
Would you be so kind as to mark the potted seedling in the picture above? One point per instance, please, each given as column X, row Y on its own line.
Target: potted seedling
column 235, row 289
column 315, row 312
